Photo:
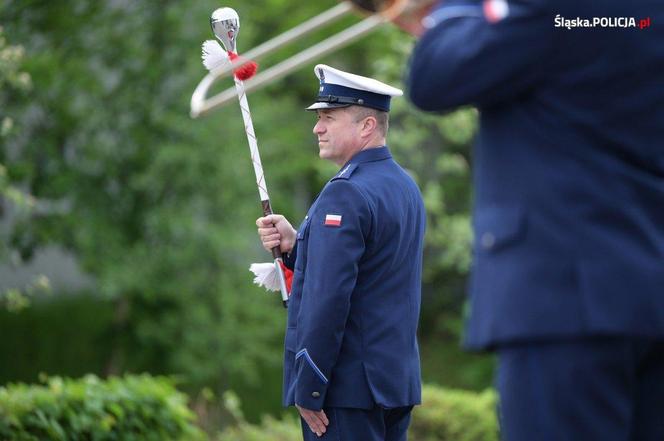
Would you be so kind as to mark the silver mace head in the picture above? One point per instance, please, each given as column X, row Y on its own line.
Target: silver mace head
column 225, row 24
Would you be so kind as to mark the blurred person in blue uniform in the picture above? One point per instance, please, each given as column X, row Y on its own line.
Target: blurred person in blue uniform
column 351, row 363
column 567, row 284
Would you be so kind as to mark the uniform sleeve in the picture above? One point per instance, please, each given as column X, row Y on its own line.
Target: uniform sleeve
column 480, row 52
column 336, row 242
column 290, row 258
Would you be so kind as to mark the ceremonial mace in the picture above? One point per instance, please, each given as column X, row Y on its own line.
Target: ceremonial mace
column 225, row 24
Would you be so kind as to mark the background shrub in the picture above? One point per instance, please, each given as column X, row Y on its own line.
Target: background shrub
column 455, row 415
column 445, row 415
column 129, row 408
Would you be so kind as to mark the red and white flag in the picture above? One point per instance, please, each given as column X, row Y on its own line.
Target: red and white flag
column 333, row 220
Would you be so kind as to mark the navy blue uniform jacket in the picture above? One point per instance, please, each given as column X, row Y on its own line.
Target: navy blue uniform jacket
column 355, row 300
column 568, row 164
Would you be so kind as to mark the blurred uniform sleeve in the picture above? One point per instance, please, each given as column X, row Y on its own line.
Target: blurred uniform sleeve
column 334, row 253
column 479, row 52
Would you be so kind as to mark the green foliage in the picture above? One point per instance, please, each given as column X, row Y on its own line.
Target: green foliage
column 159, row 209
column 11, row 74
column 445, row 415
column 148, row 408
column 13, row 81
column 139, row 408
column 17, row 299
column 65, row 335
column 70, row 335
column 445, row 364
column 455, row 415
column 269, row 429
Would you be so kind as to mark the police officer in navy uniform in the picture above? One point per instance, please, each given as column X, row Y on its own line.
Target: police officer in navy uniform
column 567, row 283
column 351, row 362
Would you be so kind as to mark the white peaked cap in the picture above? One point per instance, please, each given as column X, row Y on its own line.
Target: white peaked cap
column 341, row 89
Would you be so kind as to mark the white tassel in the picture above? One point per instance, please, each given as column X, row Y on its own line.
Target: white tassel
column 266, row 275
column 214, row 56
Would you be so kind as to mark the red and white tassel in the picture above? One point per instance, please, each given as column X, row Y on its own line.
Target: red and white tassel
column 267, row 277
column 214, row 56
column 246, row 71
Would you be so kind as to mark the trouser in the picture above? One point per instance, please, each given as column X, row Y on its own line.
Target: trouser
column 376, row 424
column 590, row 389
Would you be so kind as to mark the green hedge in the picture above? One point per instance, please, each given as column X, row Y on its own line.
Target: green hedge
column 144, row 408
column 131, row 408
column 65, row 334
column 445, row 415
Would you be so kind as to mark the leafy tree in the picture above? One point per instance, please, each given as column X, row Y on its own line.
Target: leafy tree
column 13, row 83
column 160, row 208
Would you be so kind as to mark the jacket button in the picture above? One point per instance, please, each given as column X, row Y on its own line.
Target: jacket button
column 488, row 240
column 315, row 394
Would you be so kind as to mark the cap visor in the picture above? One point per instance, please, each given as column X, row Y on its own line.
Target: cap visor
column 317, row 106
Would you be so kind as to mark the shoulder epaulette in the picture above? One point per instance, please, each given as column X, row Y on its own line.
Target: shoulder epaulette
column 345, row 172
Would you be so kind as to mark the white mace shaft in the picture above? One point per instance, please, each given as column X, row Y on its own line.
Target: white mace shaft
column 251, row 137
column 258, row 171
